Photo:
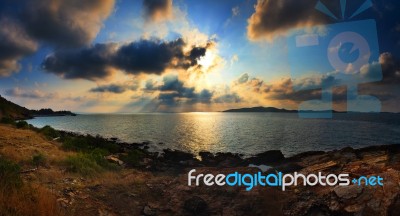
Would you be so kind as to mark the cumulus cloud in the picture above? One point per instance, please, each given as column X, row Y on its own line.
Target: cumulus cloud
column 157, row 10
column 390, row 68
column 15, row 43
column 113, row 88
column 286, row 89
column 274, row 18
column 150, row 56
column 116, row 88
column 66, row 22
column 228, row 98
column 243, row 79
column 63, row 23
column 143, row 56
column 25, row 93
column 87, row 63
column 173, row 90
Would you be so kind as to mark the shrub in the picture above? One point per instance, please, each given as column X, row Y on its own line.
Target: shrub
column 98, row 156
column 22, row 124
column 76, row 144
column 49, row 132
column 83, row 164
column 38, row 160
column 133, row 157
column 88, row 144
column 7, row 120
column 9, row 175
column 89, row 164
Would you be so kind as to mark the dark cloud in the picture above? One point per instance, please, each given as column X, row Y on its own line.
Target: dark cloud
column 173, row 91
column 157, row 10
column 113, row 88
column 228, row 98
column 273, row 18
column 243, row 79
column 390, row 68
column 65, row 22
column 116, row 88
column 14, row 45
column 196, row 53
column 144, row 56
column 149, row 56
column 89, row 63
column 150, row 86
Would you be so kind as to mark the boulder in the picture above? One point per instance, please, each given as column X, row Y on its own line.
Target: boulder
column 196, row 206
column 268, row 157
column 148, row 211
column 114, row 159
column 176, row 155
column 347, row 192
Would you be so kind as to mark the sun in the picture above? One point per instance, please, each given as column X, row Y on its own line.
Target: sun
column 207, row 60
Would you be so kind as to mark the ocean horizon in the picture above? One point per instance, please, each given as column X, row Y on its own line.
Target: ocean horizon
column 244, row 133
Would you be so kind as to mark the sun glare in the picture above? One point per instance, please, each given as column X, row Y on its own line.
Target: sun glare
column 207, row 60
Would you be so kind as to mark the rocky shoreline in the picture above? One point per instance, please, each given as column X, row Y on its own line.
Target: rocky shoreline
column 151, row 183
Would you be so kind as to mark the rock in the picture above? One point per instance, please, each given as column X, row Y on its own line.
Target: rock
column 148, row 211
column 289, row 167
column 114, row 159
column 320, row 167
column 347, row 192
column 103, row 212
column 228, row 160
column 303, row 155
column 263, row 168
column 176, row 155
column 273, row 156
column 196, row 206
column 319, row 211
column 394, row 207
column 354, row 208
column 207, row 158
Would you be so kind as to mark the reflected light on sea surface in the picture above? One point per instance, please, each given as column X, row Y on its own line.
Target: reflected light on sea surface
column 246, row 133
column 201, row 130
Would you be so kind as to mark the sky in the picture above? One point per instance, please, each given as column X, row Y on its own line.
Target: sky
column 128, row 56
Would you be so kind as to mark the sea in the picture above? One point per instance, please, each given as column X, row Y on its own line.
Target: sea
column 244, row 133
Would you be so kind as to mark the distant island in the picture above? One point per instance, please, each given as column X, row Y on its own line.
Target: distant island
column 261, row 109
column 276, row 110
column 50, row 112
column 14, row 111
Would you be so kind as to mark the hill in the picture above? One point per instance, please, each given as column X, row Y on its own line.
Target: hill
column 14, row 111
column 261, row 109
column 11, row 110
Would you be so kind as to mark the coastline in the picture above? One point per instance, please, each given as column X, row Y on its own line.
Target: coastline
column 139, row 177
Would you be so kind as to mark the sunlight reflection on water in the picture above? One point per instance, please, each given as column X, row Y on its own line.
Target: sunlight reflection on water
column 246, row 133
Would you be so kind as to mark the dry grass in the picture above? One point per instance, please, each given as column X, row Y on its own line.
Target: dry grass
column 20, row 145
column 29, row 200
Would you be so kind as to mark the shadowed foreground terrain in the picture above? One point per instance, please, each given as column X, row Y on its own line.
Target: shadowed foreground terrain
column 62, row 174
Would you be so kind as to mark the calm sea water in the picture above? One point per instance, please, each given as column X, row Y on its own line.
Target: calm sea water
column 246, row 133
